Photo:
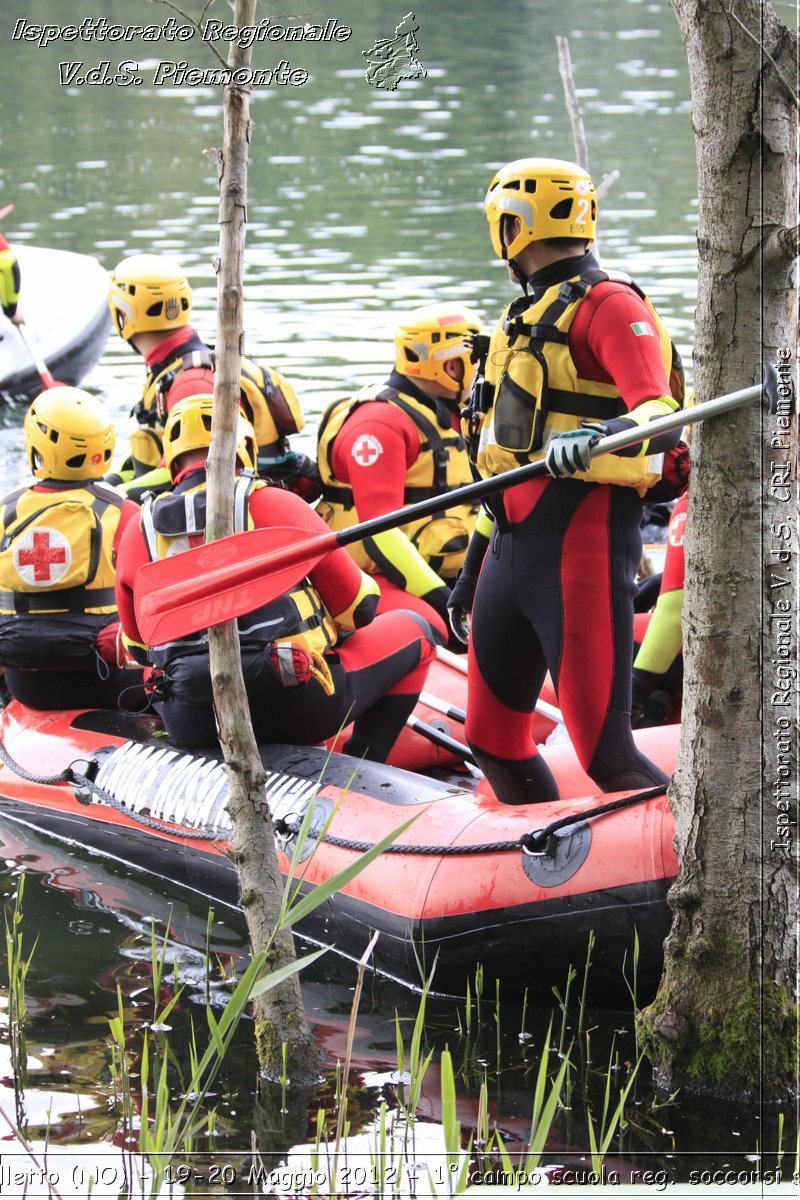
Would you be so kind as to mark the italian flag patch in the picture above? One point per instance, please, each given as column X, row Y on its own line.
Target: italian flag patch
column 642, row 329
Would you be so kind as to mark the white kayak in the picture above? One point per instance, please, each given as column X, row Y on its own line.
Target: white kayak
column 64, row 298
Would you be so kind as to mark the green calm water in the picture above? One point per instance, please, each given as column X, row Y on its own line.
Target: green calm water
column 361, row 204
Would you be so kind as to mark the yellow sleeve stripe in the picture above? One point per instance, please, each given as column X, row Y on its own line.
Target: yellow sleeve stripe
column 346, row 619
column 662, row 642
column 399, row 560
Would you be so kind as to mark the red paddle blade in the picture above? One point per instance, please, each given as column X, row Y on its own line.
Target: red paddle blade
column 216, row 582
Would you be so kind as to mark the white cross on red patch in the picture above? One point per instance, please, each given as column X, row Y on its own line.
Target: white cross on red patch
column 42, row 556
column 366, row 450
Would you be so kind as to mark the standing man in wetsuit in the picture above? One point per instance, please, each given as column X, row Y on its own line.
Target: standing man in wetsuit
column 398, row 442
column 581, row 354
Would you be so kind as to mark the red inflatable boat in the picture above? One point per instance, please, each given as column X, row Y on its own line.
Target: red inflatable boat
column 472, row 880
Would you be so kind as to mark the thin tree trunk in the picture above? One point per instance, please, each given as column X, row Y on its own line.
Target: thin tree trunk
column 280, row 1017
column 724, row 1021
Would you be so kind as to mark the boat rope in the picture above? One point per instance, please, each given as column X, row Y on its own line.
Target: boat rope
column 535, row 842
column 87, row 784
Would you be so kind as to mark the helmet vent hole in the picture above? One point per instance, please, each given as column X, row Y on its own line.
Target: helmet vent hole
column 76, row 462
column 411, row 355
column 561, row 211
column 54, row 435
column 435, row 338
column 530, row 185
column 184, row 304
column 155, row 309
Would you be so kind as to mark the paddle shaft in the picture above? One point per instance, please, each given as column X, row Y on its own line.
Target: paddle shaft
column 498, row 483
column 41, row 366
column 458, row 663
column 236, row 575
column 438, row 738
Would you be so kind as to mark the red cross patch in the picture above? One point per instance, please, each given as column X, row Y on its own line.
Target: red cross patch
column 42, row 556
column 366, row 450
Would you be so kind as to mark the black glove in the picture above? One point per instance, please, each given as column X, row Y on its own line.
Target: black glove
column 650, row 704
column 647, row 593
column 463, row 594
column 438, row 598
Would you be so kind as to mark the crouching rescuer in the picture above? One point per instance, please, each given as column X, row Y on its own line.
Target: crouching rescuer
column 59, row 536
column 315, row 658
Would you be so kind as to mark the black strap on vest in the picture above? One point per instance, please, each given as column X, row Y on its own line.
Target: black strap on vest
column 434, row 432
column 194, row 345
column 71, row 600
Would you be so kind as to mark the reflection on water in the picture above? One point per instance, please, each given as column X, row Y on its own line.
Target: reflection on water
column 361, row 202
column 98, row 931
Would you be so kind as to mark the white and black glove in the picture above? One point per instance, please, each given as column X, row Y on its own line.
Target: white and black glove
column 571, row 451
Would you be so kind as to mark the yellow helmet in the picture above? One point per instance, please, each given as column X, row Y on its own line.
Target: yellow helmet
column 188, row 427
column 68, row 435
column 149, row 292
column 431, row 336
column 552, row 198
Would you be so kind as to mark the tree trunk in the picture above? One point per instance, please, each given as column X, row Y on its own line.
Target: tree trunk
column 280, row 1017
column 724, row 1021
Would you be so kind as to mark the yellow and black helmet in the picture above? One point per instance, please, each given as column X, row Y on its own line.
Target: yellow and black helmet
column 430, row 336
column 68, row 435
column 188, row 427
column 552, row 198
column 149, row 292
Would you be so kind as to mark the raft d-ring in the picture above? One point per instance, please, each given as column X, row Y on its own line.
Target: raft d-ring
column 532, row 837
column 564, row 853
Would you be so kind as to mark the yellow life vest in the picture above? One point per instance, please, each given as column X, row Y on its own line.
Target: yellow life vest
column 441, row 465
column 268, row 401
column 169, row 521
column 56, row 549
column 538, row 394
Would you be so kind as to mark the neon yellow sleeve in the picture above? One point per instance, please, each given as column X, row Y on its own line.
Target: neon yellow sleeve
column 661, row 406
column 402, row 563
column 484, row 524
column 663, row 640
column 348, row 618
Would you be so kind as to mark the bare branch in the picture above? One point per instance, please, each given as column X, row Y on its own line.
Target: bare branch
column 606, row 182
column 783, row 245
column 784, row 82
column 196, row 24
column 573, row 107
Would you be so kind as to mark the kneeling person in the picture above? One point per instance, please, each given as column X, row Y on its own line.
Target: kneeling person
column 399, row 442
column 312, row 660
column 58, row 543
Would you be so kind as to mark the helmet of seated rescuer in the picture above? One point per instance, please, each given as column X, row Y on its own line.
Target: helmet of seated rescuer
column 188, row 428
column 433, row 335
column 551, row 197
column 149, row 292
column 68, row 435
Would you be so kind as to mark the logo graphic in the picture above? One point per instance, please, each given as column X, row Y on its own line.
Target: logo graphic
column 642, row 329
column 366, row 450
column 171, row 309
column 393, row 59
column 677, row 528
column 42, row 556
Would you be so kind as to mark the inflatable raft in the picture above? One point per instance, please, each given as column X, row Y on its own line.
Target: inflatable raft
column 64, row 298
column 517, row 889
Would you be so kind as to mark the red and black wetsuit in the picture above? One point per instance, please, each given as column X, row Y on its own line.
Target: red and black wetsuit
column 556, row 587
column 378, row 669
